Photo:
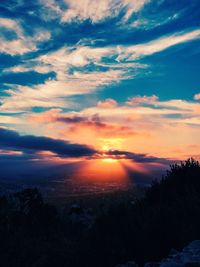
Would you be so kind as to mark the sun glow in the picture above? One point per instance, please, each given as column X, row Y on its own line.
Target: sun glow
column 107, row 144
column 103, row 170
column 110, row 160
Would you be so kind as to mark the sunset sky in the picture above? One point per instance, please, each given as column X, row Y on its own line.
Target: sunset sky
column 108, row 79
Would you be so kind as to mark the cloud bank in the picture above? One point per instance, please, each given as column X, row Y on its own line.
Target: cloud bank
column 12, row 140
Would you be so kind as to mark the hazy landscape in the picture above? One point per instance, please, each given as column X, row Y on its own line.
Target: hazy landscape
column 131, row 227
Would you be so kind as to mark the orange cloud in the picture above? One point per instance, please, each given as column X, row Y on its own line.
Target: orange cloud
column 76, row 123
column 108, row 103
column 10, row 152
column 197, row 97
column 45, row 117
column 102, row 128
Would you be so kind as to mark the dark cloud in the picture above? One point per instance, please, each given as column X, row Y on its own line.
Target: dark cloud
column 95, row 122
column 12, row 140
column 71, row 119
column 141, row 158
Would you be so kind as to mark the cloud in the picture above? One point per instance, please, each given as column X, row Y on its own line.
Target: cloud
column 133, row 6
column 12, row 140
column 90, row 9
column 82, row 70
column 78, row 123
column 10, row 152
column 12, row 25
column 109, row 103
column 157, row 125
column 147, row 21
column 146, row 106
column 100, row 127
column 145, row 124
column 52, row 92
column 16, row 47
column 10, row 120
column 85, row 46
column 65, row 58
column 42, row 35
column 137, row 100
column 197, row 97
column 22, row 98
column 22, row 43
column 137, row 157
column 13, row 145
column 138, row 51
column 78, row 56
column 152, row 119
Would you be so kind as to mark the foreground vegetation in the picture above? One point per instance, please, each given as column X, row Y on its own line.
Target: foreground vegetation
column 36, row 234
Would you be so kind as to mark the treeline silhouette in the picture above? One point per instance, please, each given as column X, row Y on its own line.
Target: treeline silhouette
column 35, row 234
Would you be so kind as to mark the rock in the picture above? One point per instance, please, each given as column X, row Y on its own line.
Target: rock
column 188, row 257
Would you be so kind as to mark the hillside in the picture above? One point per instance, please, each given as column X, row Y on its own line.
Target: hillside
column 35, row 233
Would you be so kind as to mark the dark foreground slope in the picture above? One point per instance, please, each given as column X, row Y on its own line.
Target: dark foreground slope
column 35, row 234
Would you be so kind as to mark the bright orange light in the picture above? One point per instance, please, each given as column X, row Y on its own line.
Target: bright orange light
column 103, row 170
column 110, row 160
column 107, row 144
column 105, row 148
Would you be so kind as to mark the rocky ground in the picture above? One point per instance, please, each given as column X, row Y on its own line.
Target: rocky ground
column 188, row 257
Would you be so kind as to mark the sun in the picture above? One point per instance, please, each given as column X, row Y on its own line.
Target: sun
column 110, row 160
column 108, row 144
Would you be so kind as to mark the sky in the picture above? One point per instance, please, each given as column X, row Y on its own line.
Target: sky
column 85, row 80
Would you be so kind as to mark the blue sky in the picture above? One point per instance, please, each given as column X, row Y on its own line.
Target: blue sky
column 121, row 74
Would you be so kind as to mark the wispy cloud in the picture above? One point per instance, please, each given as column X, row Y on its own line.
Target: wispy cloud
column 90, row 9
column 70, row 81
column 138, row 51
column 52, row 92
column 22, row 43
column 137, row 100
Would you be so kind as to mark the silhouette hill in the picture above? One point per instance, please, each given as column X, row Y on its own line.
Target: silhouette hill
column 34, row 233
